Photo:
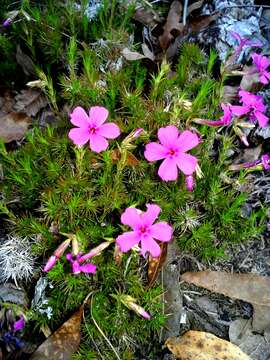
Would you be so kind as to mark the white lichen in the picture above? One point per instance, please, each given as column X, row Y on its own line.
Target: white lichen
column 16, row 259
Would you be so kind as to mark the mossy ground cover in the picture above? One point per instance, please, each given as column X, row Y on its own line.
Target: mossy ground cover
column 50, row 183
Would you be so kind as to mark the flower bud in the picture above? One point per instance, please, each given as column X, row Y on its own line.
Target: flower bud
column 189, row 182
column 50, row 263
column 130, row 303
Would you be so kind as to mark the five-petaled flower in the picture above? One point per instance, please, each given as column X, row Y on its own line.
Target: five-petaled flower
column 244, row 42
column 262, row 63
column 252, row 105
column 77, row 268
column 92, row 128
column 144, row 230
column 172, row 148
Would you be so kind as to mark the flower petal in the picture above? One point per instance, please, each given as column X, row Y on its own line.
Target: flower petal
column 161, row 231
column 155, row 151
column 264, row 80
column 168, row 170
column 168, row 135
column 79, row 117
column 131, row 217
column 186, row 163
column 98, row 115
column 127, row 240
column 148, row 244
column 79, row 136
column 239, row 110
column 187, row 140
column 98, row 143
column 151, row 214
column 88, row 268
column 19, row 324
column 109, row 131
column 262, row 119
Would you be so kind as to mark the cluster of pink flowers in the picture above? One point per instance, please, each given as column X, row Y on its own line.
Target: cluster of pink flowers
column 251, row 105
column 172, row 148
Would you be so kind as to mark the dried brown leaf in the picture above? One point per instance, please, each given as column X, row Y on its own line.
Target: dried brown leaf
column 30, row 101
column 199, row 345
column 147, row 52
column 131, row 159
column 172, row 27
column 251, row 288
column 250, row 78
column 13, row 126
column 6, row 103
column 195, row 6
column 229, row 93
column 155, row 265
column 201, row 22
column 63, row 342
column 148, row 17
column 25, row 62
column 131, row 55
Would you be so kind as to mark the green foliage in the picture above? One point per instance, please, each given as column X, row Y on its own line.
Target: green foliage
column 49, row 182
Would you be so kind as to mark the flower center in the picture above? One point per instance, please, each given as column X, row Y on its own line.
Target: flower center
column 92, row 130
column 144, row 230
column 171, row 152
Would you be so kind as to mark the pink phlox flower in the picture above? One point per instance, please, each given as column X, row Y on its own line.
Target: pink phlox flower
column 244, row 42
column 77, row 268
column 262, row 63
column 173, row 147
column 252, row 105
column 92, row 128
column 265, row 159
column 144, row 230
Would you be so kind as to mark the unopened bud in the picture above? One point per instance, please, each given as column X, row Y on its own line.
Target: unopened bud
column 7, row 22
column 62, row 248
column 130, row 303
column 189, row 182
column 50, row 263
column 96, row 251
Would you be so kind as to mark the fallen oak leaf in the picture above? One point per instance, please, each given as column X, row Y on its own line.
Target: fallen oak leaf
column 13, row 126
column 155, row 265
column 147, row 17
column 172, row 27
column 30, row 101
column 132, row 55
column 147, row 52
column 251, row 288
column 131, row 159
column 195, row 6
column 199, row 345
column 201, row 22
column 63, row 342
column 25, row 62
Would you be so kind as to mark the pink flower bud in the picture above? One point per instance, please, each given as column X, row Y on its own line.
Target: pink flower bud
column 7, row 22
column 19, row 324
column 94, row 252
column 50, row 263
column 129, row 302
column 62, row 248
column 189, row 182
column 265, row 162
column 137, row 133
